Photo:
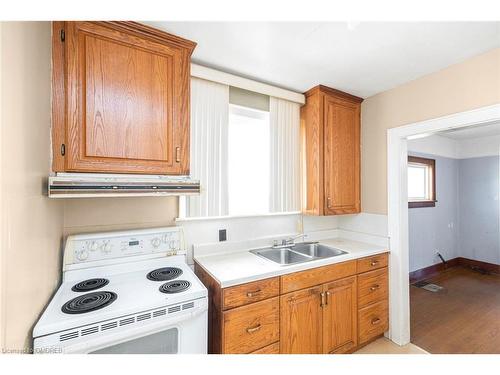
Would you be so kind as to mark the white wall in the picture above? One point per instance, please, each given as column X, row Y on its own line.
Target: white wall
column 466, row 173
column 478, row 147
column 435, row 145
column 479, row 209
column 456, row 148
column 435, row 229
column 262, row 230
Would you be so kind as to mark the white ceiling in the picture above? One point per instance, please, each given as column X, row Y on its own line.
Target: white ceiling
column 470, row 132
column 360, row 58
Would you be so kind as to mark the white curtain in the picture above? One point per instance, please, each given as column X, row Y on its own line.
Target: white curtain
column 285, row 159
column 209, row 129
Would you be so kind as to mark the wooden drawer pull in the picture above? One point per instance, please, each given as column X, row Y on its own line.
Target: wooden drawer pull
column 252, row 294
column 254, row 329
column 374, row 287
column 376, row 321
column 374, row 262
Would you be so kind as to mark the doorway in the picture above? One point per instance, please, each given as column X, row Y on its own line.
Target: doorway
column 454, row 243
column 397, row 167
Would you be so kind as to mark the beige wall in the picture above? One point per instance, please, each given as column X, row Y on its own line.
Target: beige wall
column 102, row 214
column 471, row 84
column 31, row 223
column 33, row 226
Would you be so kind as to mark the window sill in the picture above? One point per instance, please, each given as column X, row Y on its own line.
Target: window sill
column 206, row 218
column 418, row 204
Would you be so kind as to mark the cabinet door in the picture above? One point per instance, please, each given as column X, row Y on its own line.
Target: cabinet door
column 301, row 322
column 341, row 156
column 340, row 316
column 127, row 102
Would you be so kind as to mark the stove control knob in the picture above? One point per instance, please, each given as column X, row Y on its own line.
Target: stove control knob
column 156, row 242
column 165, row 238
column 82, row 254
column 106, row 247
column 92, row 246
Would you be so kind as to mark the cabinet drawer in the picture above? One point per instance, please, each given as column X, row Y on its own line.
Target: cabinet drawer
column 316, row 276
column 270, row 349
column 373, row 320
column 372, row 263
column 251, row 327
column 372, row 287
column 251, row 292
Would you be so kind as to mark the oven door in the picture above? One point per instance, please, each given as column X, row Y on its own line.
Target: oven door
column 185, row 337
column 185, row 333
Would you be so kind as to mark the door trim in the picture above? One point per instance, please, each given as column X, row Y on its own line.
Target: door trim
column 397, row 190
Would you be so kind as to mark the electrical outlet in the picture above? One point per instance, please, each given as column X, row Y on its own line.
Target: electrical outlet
column 222, row 235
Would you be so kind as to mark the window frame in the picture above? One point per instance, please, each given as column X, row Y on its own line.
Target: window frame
column 431, row 164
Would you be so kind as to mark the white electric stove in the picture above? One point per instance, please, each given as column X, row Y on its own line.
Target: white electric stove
column 125, row 292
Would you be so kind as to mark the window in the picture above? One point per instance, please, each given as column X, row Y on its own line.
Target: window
column 421, row 182
column 248, row 161
column 244, row 150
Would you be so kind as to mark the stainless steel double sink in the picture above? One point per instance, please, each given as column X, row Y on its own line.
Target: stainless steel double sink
column 298, row 253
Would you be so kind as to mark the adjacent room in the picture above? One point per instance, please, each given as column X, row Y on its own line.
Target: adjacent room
column 454, row 240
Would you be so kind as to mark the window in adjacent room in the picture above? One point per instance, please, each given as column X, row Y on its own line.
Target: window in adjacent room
column 421, row 182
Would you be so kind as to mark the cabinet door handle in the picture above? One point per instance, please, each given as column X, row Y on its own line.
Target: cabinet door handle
column 322, row 302
column 254, row 329
column 326, row 298
column 374, row 287
column 252, row 294
column 374, row 262
column 375, row 321
column 328, row 202
column 178, row 154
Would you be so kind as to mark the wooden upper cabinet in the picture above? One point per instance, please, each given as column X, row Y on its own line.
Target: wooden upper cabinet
column 330, row 122
column 121, row 99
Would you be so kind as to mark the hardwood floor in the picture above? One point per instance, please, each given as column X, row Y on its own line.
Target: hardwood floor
column 463, row 318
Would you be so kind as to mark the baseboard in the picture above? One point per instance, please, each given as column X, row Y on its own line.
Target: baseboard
column 427, row 272
column 477, row 264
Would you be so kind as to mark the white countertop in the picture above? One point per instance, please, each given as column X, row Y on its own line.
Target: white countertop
column 241, row 267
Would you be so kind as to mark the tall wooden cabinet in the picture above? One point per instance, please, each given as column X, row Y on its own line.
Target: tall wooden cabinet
column 120, row 99
column 330, row 122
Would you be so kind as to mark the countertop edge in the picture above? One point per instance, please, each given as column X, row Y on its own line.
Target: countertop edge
column 287, row 269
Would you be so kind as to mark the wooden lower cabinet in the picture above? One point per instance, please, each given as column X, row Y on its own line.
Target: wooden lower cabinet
column 301, row 321
column 373, row 321
column 251, row 327
column 347, row 309
column 339, row 316
column 270, row 349
column 321, row 319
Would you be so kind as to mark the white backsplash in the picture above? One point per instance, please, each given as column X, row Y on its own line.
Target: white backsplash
column 260, row 231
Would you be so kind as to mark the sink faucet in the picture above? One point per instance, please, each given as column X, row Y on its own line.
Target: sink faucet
column 288, row 241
